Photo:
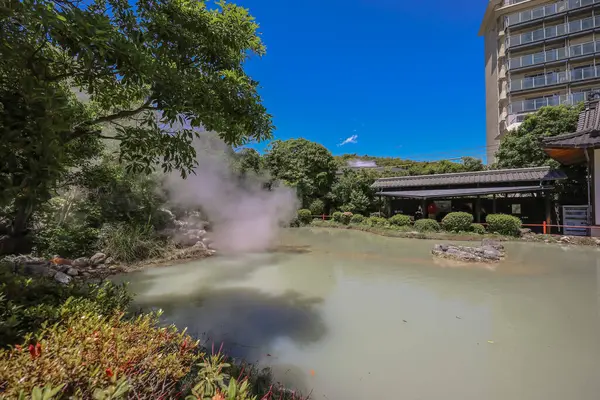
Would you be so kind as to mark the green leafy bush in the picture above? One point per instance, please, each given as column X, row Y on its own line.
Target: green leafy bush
column 457, row 222
column 357, row 219
column 377, row 222
column 504, row 224
column 346, row 217
column 129, row 243
column 376, row 214
column 317, row 207
column 70, row 241
column 337, row 216
column 427, row 225
column 399, row 220
column 304, row 216
column 478, row 228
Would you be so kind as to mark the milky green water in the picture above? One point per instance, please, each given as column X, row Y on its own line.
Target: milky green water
column 350, row 315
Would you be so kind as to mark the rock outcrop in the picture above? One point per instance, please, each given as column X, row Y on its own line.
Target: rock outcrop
column 489, row 251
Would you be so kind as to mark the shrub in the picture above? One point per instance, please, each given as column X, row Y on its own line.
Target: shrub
column 70, row 241
column 304, row 216
column 427, row 225
column 457, row 222
column 376, row 214
column 129, row 243
column 357, row 219
column 377, row 222
column 317, row 207
column 504, row 224
column 399, row 220
column 478, row 228
column 346, row 217
column 337, row 216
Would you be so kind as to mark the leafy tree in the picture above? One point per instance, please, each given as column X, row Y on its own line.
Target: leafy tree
column 248, row 160
column 471, row 164
column 305, row 165
column 352, row 190
column 69, row 69
column 522, row 148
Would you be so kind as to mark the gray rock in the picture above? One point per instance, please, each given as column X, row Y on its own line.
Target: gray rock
column 490, row 251
column 109, row 261
column 35, row 270
column 73, row 272
column 98, row 258
column 525, row 231
column 62, row 278
column 81, row 262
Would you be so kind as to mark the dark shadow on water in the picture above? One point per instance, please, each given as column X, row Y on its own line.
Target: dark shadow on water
column 246, row 321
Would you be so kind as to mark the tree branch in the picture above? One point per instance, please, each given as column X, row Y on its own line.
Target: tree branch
column 121, row 114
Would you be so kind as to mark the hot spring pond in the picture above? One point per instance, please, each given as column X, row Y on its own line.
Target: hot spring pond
column 350, row 315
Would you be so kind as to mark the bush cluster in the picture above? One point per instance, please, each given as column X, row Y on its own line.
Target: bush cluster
column 317, row 207
column 457, row 222
column 427, row 225
column 304, row 216
column 377, row 222
column 346, row 217
column 478, row 228
column 337, row 216
column 504, row 224
column 399, row 220
column 357, row 219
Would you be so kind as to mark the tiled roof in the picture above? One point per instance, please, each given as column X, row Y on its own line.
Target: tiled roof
column 536, row 174
column 463, row 192
column 587, row 134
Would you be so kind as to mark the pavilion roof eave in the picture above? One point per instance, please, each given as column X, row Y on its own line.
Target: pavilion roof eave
column 462, row 192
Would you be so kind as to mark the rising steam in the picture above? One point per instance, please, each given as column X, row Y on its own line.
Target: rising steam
column 244, row 216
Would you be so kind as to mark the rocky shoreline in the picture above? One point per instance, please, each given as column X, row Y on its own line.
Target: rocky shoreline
column 490, row 251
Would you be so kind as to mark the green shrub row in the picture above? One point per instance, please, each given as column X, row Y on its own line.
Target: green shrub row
column 453, row 222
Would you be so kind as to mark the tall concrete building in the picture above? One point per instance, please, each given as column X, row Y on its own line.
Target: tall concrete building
column 537, row 53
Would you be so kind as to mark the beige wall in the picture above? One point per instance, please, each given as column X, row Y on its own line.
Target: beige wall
column 491, row 90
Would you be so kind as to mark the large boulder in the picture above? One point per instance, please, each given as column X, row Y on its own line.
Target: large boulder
column 489, row 251
column 98, row 258
column 63, row 278
column 81, row 262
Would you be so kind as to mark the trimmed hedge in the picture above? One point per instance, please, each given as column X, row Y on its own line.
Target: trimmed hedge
column 346, row 217
column 357, row 219
column 427, row 225
column 377, row 221
column 399, row 220
column 304, row 216
column 504, row 224
column 337, row 216
column 478, row 228
column 457, row 222
column 317, row 207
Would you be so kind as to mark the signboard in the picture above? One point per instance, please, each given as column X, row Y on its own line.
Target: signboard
column 574, row 216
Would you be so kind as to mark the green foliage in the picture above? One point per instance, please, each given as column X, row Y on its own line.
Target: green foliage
column 304, row 216
column 70, row 241
column 478, row 228
column 346, row 217
column 131, row 242
column 305, row 165
column 352, row 190
column 73, row 73
column 504, row 224
column 27, row 304
column 457, row 222
column 522, row 148
column 427, row 225
column 377, row 222
column 317, row 207
column 337, row 216
column 357, row 219
column 399, row 220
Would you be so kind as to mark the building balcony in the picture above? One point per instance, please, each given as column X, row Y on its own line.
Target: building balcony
column 555, row 78
column 546, row 10
column 518, row 109
column 543, row 57
column 554, row 31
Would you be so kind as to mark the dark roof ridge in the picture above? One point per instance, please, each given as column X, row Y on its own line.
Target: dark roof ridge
column 452, row 174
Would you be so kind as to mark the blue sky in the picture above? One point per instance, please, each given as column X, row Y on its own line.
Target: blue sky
column 405, row 77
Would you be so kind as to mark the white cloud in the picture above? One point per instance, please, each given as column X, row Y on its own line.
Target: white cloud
column 352, row 139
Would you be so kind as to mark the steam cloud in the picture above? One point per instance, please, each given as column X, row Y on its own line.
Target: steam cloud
column 244, row 216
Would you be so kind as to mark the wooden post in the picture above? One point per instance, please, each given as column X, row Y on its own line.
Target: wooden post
column 478, row 209
column 548, row 206
column 494, row 204
column 424, row 208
